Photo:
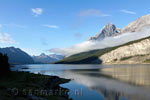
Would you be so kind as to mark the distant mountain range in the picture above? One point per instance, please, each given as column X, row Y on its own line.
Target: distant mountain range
column 43, row 58
column 18, row 56
column 132, row 52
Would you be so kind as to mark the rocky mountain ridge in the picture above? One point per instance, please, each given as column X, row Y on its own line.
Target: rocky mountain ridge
column 137, row 25
column 110, row 30
column 17, row 56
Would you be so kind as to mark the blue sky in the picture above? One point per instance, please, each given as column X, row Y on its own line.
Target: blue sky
column 39, row 25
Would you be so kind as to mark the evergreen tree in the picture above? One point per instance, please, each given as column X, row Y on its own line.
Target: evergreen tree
column 4, row 65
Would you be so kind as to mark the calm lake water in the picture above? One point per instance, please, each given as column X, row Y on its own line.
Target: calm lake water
column 99, row 82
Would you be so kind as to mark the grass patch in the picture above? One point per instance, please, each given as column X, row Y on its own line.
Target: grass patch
column 125, row 58
column 147, row 61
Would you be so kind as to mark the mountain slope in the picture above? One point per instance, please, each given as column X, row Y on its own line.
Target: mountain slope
column 17, row 56
column 107, row 55
column 137, row 25
column 133, row 53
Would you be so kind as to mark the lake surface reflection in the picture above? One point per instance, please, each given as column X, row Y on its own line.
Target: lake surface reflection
column 100, row 82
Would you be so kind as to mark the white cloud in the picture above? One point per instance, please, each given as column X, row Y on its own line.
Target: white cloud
column 127, row 11
column 37, row 11
column 92, row 12
column 34, row 51
column 78, row 35
column 44, row 42
column 108, row 42
column 15, row 25
column 51, row 26
column 5, row 38
column 0, row 26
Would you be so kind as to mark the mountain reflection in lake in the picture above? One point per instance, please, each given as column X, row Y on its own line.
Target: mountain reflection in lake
column 101, row 82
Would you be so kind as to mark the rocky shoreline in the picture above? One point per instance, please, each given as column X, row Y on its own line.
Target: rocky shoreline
column 28, row 86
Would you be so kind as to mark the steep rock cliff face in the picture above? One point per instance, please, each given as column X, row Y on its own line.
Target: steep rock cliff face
column 132, row 53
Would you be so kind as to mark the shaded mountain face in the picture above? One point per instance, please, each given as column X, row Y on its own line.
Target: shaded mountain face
column 17, row 56
column 43, row 58
column 109, row 30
